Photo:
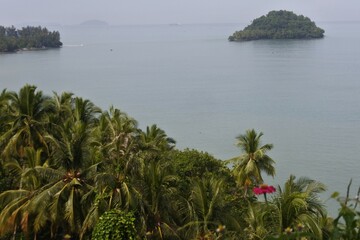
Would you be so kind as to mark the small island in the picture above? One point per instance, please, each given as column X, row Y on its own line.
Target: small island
column 279, row 25
column 28, row 38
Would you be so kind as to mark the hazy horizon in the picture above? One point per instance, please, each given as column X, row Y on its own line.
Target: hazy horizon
column 115, row 12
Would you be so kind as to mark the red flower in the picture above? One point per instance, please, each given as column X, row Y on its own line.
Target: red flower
column 263, row 189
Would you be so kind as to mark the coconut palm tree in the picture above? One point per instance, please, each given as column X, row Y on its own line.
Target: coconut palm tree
column 253, row 160
column 66, row 193
column 114, row 150
column 298, row 204
column 71, row 154
column 26, row 125
column 157, row 191
column 115, row 138
column 61, row 106
column 71, row 142
column 155, row 139
column 16, row 202
column 27, row 173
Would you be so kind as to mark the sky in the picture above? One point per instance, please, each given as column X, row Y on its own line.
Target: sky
column 125, row 12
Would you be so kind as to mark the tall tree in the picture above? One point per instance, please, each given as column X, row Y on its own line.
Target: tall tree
column 66, row 191
column 27, row 123
column 155, row 139
column 114, row 150
column 253, row 160
column 157, row 190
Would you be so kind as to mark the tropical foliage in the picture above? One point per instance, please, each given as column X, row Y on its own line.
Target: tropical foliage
column 12, row 39
column 347, row 224
column 279, row 25
column 70, row 170
column 115, row 225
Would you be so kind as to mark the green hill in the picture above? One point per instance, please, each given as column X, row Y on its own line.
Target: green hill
column 279, row 25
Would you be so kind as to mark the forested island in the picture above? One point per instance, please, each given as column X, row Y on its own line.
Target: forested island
column 279, row 25
column 27, row 38
column 70, row 170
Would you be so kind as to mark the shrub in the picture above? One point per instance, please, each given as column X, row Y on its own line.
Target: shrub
column 115, row 225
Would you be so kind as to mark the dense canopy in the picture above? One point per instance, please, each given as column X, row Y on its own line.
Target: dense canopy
column 12, row 39
column 70, row 170
column 279, row 25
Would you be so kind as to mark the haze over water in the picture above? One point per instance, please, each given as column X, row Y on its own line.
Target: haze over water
column 204, row 91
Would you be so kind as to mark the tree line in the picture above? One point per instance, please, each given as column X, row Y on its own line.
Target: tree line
column 70, row 170
column 279, row 25
column 12, row 39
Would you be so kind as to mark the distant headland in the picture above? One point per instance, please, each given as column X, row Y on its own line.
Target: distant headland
column 279, row 25
column 28, row 38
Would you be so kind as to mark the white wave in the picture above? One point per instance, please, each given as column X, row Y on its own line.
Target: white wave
column 73, row 45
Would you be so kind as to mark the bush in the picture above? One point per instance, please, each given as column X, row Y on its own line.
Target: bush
column 115, row 225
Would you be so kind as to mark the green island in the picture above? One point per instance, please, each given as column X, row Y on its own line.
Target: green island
column 279, row 25
column 28, row 38
column 70, row 170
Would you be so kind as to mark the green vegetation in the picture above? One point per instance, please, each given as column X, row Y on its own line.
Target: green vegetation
column 115, row 225
column 12, row 39
column 279, row 25
column 70, row 170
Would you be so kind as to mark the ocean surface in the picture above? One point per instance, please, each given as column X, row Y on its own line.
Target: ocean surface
column 304, row 95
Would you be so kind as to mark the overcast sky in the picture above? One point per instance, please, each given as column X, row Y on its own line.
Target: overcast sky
column 116, row 12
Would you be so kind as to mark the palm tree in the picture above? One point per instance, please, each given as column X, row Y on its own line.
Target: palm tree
column 298, row 203
column 27, row 173
column 157, row 190
column 115, row 138
column 206, row 208
column 62, row 201
column 72, row 141
column 65, row 183
column 58, row 205
column 61, row 106
column 71, row 153
column 26, row 126
column 253, row 160
column 15, row 213
column 114, row 150
column 156, row 140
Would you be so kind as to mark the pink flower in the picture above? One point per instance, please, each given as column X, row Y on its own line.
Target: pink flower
column 263, row 189
column 258, row 191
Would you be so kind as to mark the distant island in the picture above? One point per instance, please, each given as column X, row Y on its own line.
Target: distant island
column 27, row 38
column 279, row 25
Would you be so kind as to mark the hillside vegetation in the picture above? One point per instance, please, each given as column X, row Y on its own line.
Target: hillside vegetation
column 279, row 25
column 70, row 170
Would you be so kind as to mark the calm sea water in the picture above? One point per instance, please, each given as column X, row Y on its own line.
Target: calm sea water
column 204, row 91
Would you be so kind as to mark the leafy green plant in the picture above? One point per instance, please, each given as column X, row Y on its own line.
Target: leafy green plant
column 115, row 225
column 346, row 225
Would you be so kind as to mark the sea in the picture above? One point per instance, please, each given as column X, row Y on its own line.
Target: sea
column 204, row 91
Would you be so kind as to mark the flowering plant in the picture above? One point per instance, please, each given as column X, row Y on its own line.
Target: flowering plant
column 264, row 189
